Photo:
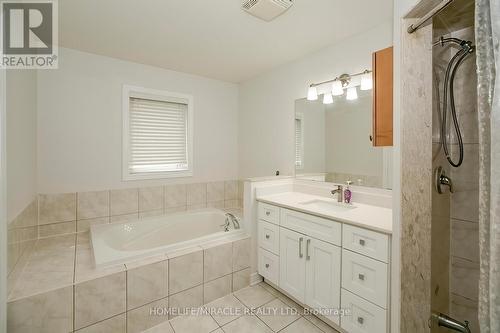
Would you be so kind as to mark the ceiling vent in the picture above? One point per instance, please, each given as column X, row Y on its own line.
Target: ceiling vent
column 266, row 9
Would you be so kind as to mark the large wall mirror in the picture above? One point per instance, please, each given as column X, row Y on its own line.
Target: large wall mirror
column 333, row 142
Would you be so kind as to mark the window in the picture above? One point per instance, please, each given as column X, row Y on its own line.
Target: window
column 299, row 141
column 157, row 134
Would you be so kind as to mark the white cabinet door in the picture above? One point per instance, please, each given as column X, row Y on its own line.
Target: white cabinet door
column 292, row 263
column 323, row 276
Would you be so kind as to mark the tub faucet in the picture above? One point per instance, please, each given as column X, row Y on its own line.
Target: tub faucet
column 231, row 218
column 340, row 193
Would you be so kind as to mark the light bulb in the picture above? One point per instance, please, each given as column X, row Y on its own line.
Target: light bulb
column 366, row 82
column 337, row 89
column 327, row 98
column 312, row 94
column 352, row 94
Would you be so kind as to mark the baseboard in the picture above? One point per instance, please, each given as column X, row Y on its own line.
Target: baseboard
column 255, row 278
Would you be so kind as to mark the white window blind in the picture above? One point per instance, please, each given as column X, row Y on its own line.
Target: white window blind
column 158, row 138
column 299, row 144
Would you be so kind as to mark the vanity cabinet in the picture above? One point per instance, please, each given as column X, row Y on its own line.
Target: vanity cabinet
column 325, row 264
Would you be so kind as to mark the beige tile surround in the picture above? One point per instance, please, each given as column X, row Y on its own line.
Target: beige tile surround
column 93, row 299
column 74, row 212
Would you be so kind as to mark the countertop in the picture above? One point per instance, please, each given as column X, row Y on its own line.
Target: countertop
column 363, row 215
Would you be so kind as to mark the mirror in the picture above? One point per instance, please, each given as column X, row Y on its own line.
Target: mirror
column 332, row 142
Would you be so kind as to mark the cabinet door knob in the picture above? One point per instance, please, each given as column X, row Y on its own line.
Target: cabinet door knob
column 267, row 236
column 267, row 265
column 362, row 242
column 361, row 277
column 268, row 213
column 361, row 320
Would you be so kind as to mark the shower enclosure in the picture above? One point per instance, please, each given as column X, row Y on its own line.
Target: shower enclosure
column 455, row 161
column 440, row 265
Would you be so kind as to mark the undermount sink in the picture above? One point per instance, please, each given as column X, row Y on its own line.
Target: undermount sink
column 329, row 205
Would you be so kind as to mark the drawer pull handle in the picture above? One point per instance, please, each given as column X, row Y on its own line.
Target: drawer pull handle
column 267, row 265
column 361, row 320
column 301, row 239
column 267, row 236
column 268, row 213
column 362, row 242
column 361, row 277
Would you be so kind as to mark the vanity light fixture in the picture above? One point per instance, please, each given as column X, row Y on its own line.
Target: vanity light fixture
column 337, row 89
column 366, row 82
column 352, row 94
column 327, row 98
column 340, row 83
column 312, row 93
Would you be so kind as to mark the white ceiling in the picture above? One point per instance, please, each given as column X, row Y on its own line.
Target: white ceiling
column 213, row 38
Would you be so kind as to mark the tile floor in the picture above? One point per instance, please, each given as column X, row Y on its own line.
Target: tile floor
column 269, row 318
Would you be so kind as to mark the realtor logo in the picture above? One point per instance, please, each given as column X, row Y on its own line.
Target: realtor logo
column 29, row 34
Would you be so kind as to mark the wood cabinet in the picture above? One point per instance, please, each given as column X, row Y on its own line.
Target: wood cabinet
column 382, row 97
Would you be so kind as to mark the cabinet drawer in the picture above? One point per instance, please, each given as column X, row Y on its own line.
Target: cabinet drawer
column 365, row 277
column 269, row 237
column 363, row 316
column 366, row 242
column 313, row 226
column 269, row 213
column 269, row 266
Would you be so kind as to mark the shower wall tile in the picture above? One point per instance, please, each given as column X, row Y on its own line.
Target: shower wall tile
column 117, row 324
column 465, row 205
column 465, row 309
column 196, row 206
column 99, row 299
column 215, row 191
column 464, row 278
column 48, row 230
column 217, row 288
column 465, row 240
column 175, row 195
column 140, row 319
column 185, row 272
column 147, row 284
column 124, row 201
column 466, row 177
column 216, row 262
column 93, row 204
column 196, row 194
column 232, row 204
column 44, row 313
column 57, row 208
column 151, row 198
column 84, row 225
column 231, row 190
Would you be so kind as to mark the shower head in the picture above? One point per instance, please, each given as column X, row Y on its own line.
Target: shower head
column 466, row 45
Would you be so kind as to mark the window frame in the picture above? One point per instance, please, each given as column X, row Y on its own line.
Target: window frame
column 130, row 91
column 300, row 117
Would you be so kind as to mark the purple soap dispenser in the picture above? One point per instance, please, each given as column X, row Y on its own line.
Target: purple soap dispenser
column 347, row 193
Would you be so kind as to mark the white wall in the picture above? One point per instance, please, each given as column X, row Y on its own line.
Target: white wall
column 266, row 113
column 80, row 122
column 21, row 96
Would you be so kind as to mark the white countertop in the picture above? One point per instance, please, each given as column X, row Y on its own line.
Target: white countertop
column 366, row 216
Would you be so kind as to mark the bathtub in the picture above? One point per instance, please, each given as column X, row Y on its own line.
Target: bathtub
column 118, row 243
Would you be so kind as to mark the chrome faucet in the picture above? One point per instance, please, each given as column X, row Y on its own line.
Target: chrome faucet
column 340, row 193
column 230, row 218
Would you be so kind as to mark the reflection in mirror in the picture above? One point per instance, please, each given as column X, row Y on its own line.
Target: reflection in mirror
column 332, row 142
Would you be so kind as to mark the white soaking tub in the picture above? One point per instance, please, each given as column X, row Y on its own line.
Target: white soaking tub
column 121, row 242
